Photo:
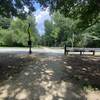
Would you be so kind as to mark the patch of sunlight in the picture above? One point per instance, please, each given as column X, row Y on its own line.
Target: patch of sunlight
column 61, row 99
column 19, row 84
column 69, row 67
column 54, row 58
column 65, row 62
column 23, row 95
column 34, row 73
column 86, row 79
column 84, row 59
column 4, row 91
column 84, row 69
column 10, row 77
column 46, row 84
column 25, row 56
column 54, row 88
column 44, row 66
column 62, row 89
column 15, row 92
column 50, row 72
column 97, row 73
column 9, row 66
column 48, row 77
column 50, row 58
column 42, row 60
column 26, row 73
column 93, row 95
column 46, row 97
column 43, row 75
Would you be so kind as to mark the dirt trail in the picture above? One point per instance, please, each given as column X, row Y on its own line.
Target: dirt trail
column 42, row 80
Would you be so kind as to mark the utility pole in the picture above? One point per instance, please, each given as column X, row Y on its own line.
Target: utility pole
column 29, row 39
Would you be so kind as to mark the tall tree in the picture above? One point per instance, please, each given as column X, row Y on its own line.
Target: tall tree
column 20, row 30
column 59, row 29
column 16, row 34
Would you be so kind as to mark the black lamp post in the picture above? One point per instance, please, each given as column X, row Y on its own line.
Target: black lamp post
column 29, row 39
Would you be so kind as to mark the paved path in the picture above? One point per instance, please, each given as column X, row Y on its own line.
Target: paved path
column 25, row 50
column 42, row 80
column 52, row 50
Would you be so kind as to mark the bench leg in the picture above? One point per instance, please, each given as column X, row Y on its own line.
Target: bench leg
column 65, row 53
column 80, row 52
column 93, row 53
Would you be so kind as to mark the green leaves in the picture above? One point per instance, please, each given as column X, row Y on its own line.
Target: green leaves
column 58, row 30
column 5, row 22
column 10, row 8
column 61, row 30
column 16, row 34
column 87, row 11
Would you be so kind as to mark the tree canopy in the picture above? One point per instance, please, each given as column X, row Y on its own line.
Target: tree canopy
column 87, row 11
column 78, row 17
column 9, row 8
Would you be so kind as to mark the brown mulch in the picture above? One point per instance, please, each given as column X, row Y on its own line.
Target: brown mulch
column 12, row 64
column 84, row 70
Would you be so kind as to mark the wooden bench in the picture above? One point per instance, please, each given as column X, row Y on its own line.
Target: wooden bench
column 80, row 50
column 93, row 51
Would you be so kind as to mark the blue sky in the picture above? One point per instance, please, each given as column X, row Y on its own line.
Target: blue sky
column 41, row 15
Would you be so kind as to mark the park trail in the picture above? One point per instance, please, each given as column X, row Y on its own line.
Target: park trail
column 43, row 79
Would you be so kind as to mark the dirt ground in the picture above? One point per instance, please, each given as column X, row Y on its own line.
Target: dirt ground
column 49, row 77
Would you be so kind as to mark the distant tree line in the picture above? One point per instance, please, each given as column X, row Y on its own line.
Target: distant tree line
column 13, row 32
column 60, row 30
column 74, row 22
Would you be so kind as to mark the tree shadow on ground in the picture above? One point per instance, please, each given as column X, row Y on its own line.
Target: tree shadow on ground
column 11, row 64
column 43, row 79
column 84, row 70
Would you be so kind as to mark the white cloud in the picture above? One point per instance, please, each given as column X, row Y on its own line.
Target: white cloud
column 41, row 16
